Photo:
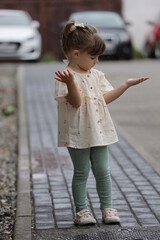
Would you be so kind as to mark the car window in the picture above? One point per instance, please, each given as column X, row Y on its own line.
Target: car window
column 109, row 20
column 14, row 20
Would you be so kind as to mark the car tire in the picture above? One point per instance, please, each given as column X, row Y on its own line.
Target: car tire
column 129, row 56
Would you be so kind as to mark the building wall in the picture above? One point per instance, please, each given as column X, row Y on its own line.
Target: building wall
column 50, row 13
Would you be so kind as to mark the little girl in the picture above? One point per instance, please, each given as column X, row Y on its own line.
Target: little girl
column 85, row 126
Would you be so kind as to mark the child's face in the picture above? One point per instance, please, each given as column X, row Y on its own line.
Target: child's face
column 85, row 61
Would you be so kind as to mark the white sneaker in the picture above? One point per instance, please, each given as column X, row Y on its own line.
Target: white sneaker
column 110, row 215
column 84, row 217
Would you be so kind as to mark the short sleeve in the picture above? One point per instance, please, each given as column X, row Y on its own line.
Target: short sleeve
column 61, row 90
column 105, row 85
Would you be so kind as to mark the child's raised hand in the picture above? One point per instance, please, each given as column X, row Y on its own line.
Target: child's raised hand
column 134, row 81
column 65, row 76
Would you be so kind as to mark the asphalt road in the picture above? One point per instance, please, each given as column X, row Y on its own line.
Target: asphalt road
column 137, row 113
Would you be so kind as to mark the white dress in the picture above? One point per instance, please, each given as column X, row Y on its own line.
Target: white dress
column 91, row 124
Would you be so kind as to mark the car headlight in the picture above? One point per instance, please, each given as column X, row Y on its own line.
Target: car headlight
column 124, row 37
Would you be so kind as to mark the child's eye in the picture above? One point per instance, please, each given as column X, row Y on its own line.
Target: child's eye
column 94, row 57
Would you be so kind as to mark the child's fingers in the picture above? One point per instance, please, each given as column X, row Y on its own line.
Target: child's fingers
column 65, row 73
column 58, row 73
column 139, row 80
column 143, row 78
column 69, row 73
column 59, row 79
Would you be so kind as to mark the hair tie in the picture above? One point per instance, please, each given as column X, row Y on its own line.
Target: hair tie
column 75, row 25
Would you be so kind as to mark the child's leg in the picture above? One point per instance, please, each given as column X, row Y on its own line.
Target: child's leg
column 81, row 163
column 100, row 167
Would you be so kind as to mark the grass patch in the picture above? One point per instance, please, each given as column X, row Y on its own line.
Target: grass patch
column 48, row 57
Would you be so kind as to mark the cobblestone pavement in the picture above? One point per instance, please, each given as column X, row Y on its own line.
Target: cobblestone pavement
column 136, row 188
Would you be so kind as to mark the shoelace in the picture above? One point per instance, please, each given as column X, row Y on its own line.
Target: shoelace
column 110, row 213
column 84, row 213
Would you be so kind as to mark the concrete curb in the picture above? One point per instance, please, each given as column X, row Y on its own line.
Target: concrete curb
column 22, row 228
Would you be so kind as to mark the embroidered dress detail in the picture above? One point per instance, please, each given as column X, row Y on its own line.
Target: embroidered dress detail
column 90, row 124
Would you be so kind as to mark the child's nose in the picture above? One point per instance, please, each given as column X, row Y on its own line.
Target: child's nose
column 96, row 60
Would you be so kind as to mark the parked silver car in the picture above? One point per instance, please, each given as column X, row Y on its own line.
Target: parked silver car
column 19, row 36
column 112, row 29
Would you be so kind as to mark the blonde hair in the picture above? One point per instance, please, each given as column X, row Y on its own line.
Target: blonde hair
column 82, row 37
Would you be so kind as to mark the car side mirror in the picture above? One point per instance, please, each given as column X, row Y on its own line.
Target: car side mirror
column 35, row 24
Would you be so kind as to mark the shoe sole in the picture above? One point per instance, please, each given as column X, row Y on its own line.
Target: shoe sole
column 84, row 224
column 111, row 222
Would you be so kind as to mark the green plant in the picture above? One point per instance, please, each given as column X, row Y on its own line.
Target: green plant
column 137, row 54
column 48, row 57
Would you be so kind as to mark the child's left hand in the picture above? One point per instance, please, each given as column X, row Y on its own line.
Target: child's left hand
column 134, row 81
column 65, row 77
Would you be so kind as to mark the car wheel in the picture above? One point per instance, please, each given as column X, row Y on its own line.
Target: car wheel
column 128, row 56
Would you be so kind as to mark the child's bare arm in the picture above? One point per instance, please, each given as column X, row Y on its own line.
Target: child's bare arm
column 117, row 92
column 73, row 96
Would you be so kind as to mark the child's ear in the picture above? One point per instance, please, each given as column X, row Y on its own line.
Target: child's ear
column 76, row 53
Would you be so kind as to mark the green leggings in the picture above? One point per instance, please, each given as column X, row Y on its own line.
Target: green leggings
column 83, row 159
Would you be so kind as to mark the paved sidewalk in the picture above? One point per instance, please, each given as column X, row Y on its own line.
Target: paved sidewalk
column 135, row 190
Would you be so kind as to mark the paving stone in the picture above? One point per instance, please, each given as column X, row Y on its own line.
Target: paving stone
column 43, row 203
column 117, row 197
column 137, row 203
column 41, row 195
column 58, row 186
column 155, row 208
column 45, row 225
column 121, row 207
column 43, row 209
column 61, row 200
column 58, row 194
column 44, row 221
column 128, row 222
column 57, row 178
column 40, row 186
column 64, row 212
column 126, row 214
column 119, row 202
column 127, row 189
column 62, row 206
column 148, row 222
column 153, row 201
column 96, row 205
column 93, row 195
column 66, row 217
column 39, row 176
column 65, row 224
column 44, row 215
column 140, row 210
column 40, row 191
